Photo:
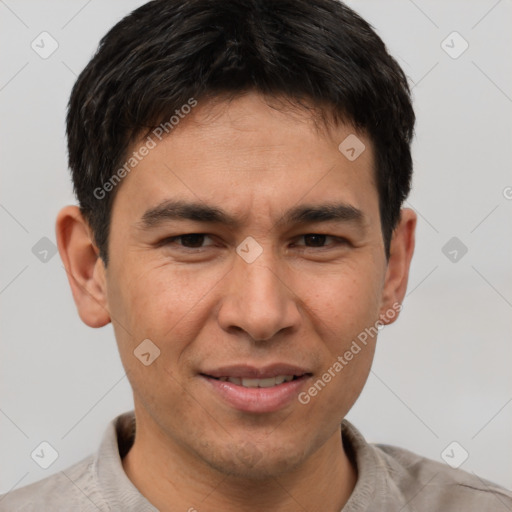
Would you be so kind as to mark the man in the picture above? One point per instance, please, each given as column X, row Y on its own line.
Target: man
column 240, row 168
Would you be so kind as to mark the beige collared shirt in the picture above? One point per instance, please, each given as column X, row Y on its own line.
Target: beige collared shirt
column 390, row 479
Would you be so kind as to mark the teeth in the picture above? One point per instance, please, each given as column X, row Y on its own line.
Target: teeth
column 266, row 383
column 252, row 383
column 281, row 378
column 259, row 383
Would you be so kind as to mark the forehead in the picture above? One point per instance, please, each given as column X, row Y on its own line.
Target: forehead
column 251, row 158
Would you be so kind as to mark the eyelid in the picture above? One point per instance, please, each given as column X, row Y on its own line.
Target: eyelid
column 338, row 239
column 171, row 240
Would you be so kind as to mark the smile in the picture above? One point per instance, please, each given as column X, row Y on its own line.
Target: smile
column 256, row 390
column 259, row 383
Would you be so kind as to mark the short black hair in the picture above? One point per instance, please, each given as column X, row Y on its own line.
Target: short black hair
column 167, row 52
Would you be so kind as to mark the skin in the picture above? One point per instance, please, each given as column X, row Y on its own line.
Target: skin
column 206, row 307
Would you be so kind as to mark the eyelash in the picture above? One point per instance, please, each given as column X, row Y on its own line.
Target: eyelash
column 171, row 241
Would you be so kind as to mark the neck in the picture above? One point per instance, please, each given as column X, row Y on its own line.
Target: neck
column 172, row 479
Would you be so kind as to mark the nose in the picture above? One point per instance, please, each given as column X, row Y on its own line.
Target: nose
column 258, row 300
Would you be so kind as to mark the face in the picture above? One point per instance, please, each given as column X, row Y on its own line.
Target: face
column 220, row 256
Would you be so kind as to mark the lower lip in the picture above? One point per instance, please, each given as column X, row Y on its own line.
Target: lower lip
column 257, row 400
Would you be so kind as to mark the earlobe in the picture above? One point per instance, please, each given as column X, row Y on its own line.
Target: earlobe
column 397, row 274
column 84, row 267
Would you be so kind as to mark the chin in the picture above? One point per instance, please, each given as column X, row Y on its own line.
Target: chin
column 250, row 462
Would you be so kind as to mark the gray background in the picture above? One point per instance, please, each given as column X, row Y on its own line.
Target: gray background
column 441, row 373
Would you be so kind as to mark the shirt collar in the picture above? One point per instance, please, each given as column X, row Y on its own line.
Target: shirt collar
column 376, row 487
column 117, row 489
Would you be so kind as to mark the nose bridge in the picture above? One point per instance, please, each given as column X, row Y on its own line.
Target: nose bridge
column 256, row 264
column 257, row 300
column 259, row 281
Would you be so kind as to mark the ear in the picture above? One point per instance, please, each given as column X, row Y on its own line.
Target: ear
column 84, row 267
column 397, row 274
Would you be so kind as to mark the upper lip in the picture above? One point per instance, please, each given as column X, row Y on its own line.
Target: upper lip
column 252, row 372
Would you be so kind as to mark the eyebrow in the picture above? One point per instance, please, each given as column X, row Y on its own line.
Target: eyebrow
column 339, row 212
column 170, row 210
column 182, row 210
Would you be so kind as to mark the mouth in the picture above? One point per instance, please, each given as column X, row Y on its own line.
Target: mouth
column 269, row 382
column 256, row 390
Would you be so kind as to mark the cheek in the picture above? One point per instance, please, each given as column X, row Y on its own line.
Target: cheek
column 158, row 298
column 167, row 305
column 346, row 302
column 348, row 311
column 158, row 305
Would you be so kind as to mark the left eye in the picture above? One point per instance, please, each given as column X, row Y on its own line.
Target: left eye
column 318, row 240
column 189, row 241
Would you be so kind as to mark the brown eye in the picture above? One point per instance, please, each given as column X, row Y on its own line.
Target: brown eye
column 318, row 240
column 315, row 240
column 187, row 241
column 193, row 241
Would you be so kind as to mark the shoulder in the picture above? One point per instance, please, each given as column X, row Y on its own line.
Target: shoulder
column 75, row 484
column 432, row 485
